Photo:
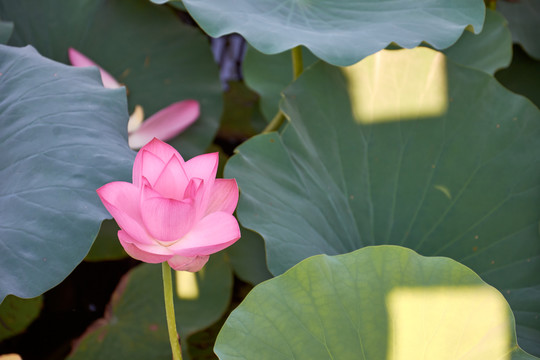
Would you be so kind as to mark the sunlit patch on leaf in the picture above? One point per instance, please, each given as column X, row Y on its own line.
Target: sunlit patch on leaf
column 396, row 85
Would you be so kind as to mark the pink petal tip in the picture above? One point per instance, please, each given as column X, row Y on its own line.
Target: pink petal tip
column 78, row 59
column 166, row 123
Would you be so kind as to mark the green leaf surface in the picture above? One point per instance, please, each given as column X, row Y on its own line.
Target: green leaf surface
column 523, row 18
column 143, row 45
column 134, row 326
column 248, row 258
column 6, row 28
column 17, row 314
column 176, row 4
column 384, row 302
column 488, row 51
column 106, row 246
column 62, row 136
column 340, row 33
column 522, row 75
column 269, row 75
column 406, row 149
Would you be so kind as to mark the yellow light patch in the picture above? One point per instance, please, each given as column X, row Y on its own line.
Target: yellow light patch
column 395, row 85
column 447, row 323
column 445, row 190
column 187, row 285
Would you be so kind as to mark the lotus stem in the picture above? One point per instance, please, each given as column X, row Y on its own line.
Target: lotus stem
column 275, row 124
column 169, row 310
column 298, row 68
column 298, row 65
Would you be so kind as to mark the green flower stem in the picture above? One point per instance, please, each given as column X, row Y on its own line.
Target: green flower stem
column 298, row 64
column 298, row 68
column 169, row 310
column 275, row 124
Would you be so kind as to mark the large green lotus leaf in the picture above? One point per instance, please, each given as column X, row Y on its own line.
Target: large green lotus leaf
column 488, row 51
column 62, row 135
column 340, row 33
column 383, row 302
column 522, row 75
column 17, row 314
column 6, row 28
column 269, row 75
column 134, row 326
column 523, row 19
column 248, row 258
column 176, row 4
column 403, row 148
column 143, row 45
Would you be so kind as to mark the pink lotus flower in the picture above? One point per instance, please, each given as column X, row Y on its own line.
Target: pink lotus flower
column 175, row 210
column 164, row 125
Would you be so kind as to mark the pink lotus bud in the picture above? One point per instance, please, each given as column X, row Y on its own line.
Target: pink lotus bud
column 78, row 59
column 164, row 125
column 175, row 210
